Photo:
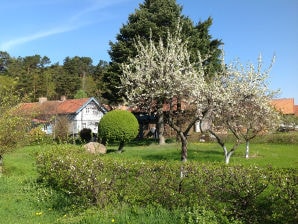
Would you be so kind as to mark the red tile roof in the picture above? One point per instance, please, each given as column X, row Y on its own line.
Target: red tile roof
column 71, row 106
column 296, row 110
column 285, row 105
column 53, row 107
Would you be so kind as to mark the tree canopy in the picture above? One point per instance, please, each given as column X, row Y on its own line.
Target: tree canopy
column 157, row 17
column 35, row 76
column 162, row 78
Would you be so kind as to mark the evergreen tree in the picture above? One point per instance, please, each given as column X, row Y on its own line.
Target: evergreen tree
column 4, row 60
column 157, row 17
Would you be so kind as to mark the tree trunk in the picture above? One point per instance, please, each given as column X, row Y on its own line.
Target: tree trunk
column 161, row 127
column 183, row 147
column 227, row 153
column 228, row 156
column 247, row 150
column 121, row 146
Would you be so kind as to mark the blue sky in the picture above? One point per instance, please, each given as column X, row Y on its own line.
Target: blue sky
column 248, row 28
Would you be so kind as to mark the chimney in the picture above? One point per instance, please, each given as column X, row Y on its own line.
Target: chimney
column 42, row 99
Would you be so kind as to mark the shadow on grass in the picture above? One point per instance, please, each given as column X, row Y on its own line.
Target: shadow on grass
column 206, row 155
column 159, row 157
column 142, row 142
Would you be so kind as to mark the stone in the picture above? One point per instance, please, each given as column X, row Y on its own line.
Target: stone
column 95, row 148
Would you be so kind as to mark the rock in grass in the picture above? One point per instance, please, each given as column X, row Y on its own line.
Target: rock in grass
column 95, row 148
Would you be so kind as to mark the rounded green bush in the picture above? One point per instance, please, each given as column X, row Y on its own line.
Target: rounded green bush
column 118, row 125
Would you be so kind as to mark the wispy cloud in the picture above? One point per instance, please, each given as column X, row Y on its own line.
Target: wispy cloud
column 75, row 22
column 41, row 34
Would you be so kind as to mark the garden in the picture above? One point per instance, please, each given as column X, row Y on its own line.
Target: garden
column 147, row 183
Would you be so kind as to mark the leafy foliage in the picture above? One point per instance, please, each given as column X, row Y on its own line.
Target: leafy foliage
column 35, row 76
column 12, row 132
column 158, row 17
column 13, row 126
column 80, row 94
column 118, row 125
column 163, row 74
column 61, row 129
column 38, row 136
column 238, row 100
column 248, row 194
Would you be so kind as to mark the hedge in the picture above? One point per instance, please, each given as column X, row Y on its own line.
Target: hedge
column 248, row 194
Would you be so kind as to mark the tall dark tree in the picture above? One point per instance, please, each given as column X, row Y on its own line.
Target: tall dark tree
column 65, row 83
column 158, row 17
column 4, row 60
column 94, row 84
column 79, row 68
column 209, row 48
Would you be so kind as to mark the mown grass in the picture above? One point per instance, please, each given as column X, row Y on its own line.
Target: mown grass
column 275, row 155
column 24, row 200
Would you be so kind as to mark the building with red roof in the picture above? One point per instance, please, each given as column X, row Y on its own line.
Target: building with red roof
column 80, row 113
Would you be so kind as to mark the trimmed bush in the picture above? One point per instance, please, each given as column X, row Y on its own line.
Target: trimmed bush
column 118, row 125
column 246, row 194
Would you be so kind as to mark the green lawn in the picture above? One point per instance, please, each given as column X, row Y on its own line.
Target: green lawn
column 19, row 201
column 276, row 155
column 24, row 201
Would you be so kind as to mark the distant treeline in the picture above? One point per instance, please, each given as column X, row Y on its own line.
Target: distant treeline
column 35, row 76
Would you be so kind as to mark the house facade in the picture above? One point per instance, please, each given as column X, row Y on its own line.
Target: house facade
column 76, row 114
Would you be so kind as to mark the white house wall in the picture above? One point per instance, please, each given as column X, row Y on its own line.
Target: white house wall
column 88, row 117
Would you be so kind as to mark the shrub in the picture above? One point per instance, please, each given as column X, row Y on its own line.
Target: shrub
column 118, row 125
column 12, row 132
column 278, row 138
column 61, row 129
column 37, row 136
column 214, row 191
column 86, row 135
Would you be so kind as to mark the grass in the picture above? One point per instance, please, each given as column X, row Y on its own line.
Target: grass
column 19, row 200
column 275, row 155
column 24, row 201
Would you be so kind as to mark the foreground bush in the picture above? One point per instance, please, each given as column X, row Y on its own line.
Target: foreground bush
column 247, row 194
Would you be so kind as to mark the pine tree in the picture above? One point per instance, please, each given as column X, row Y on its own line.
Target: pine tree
column 157, row 17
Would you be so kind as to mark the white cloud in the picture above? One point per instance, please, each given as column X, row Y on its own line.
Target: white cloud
column 74, row 22
column 22, row 40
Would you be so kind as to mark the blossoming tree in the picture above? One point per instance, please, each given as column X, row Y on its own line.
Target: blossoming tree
column 161, row 78
column 162, row 75
column 238, row 101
